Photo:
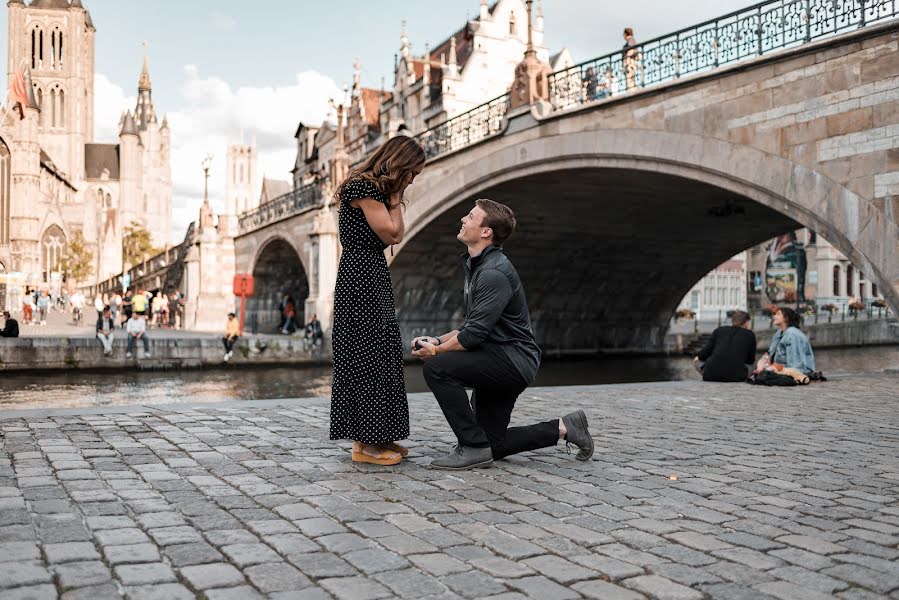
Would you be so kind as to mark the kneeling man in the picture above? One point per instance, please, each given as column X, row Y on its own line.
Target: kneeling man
column 494, row 352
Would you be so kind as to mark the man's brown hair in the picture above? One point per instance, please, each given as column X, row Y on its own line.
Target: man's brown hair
column 739, row 318
column 499, row 218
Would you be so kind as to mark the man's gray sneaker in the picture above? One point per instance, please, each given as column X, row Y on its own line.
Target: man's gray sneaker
column 576, row 424
column 464, row 457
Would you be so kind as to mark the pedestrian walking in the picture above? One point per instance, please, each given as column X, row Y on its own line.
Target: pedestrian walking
column 127, row 306
column 368, row 397
column 43, row 306
column 28, row 308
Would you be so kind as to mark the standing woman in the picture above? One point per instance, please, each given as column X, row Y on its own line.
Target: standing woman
column 368, row 397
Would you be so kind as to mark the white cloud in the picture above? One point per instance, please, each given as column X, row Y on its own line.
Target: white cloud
column 211, row 116
column 110, row 100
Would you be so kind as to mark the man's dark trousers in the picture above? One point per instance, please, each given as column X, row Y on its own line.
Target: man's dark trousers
column 496, row 385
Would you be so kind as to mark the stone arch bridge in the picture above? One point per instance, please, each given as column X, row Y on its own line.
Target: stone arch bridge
column 626, row 197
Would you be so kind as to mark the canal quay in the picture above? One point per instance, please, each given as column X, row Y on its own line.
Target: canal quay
column 696, row 490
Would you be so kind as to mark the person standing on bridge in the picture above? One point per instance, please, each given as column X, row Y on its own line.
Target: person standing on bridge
column 368, row 397
column 494, row 353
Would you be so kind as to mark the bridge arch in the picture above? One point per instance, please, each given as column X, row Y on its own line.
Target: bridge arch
column 277, row 269
column 616, row 225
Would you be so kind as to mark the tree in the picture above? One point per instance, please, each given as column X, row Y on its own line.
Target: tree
column 136, row 243
column 77, row 263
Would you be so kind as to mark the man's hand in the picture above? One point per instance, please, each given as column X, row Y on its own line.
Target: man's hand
column 427, row 350
column 423, row 338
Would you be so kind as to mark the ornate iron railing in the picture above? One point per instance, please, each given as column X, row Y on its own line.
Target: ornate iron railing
column 465, row 129
column 292, row 203
column 753, row 31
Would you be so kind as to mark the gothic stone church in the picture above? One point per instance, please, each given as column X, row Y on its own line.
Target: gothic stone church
column 55, row 180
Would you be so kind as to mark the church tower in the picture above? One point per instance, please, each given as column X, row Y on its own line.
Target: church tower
column 240, row 181
column 55, row 39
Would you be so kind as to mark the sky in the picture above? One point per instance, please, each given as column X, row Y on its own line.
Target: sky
column 226, row 70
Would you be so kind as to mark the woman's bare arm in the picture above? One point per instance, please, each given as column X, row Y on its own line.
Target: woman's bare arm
column 386, row 222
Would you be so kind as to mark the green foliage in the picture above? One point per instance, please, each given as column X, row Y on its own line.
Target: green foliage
column 78, row 262
column 136, row 243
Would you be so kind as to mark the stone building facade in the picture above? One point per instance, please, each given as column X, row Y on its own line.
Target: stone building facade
column 55, row 179
column 721, row 290
column 474, row 65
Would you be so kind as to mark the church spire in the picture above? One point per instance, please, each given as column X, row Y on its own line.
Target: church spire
column 144, row 112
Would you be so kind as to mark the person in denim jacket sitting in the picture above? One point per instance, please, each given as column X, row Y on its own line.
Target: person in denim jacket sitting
column 789, row 346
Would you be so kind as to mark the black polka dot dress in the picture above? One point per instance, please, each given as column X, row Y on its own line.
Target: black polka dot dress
column 368, row 396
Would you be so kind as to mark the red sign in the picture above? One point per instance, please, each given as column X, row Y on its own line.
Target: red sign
column 243, row 285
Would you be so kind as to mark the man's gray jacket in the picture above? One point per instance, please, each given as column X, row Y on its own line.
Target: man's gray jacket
column 496, row 311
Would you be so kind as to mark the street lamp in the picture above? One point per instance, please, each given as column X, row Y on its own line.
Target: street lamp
column 207, row 162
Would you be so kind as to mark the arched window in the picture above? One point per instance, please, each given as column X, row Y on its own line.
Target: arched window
column 62, row 108
column 836, row 280
column 39, row 96
column 850, row 284
column 57, row 107
column 240, row 178
column 53, row 247
column 5, row 182
column 53, row 108
column 53, row 49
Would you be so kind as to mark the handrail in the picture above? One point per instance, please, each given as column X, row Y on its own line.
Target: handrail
column 466, row 128
column 293, row 202
column 753, row 31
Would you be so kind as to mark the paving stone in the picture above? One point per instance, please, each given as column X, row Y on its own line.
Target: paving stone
column 121, row 537
column 168, row 536
column 46, row 591
column 134, row 553
column 19, row 551
column 661, row 588
column 104, row 591
column 371, row 561
column 438, row 564
column 185, row 555
column 291, row 543
column 250, row 554
column 603, row 590
column 538, row 586
column 355, row 588
column 81, row 574
column 145, row 574
column 790, row 591
column 473, row 584
column 411, row 583
column 243, row 592
column 812, row 544
column 204, row 577
column 322, row 564
column 15, row 574
column 276, row 577
column 559, row 569
column 612, row 568
column 809, row 579
column 164, row 591
column 867, row 578
column 502, row 568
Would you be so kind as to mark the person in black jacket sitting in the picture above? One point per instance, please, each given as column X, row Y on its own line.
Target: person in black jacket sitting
column 10, row 327
column 730, row 354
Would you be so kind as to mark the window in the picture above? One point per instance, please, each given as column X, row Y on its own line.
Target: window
column 512, row 24
column 734, row 296
column 4, row 192
column 694, row 301
column 57, row 107
column 850, row 284
column 722, row 296
column 53, row 245
column 37, row 48
column 874, row 290
column 836, row 280
column 39, row 96
column 708, row 296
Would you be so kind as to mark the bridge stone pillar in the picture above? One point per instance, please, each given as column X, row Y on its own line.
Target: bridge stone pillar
column 209, row 273
column 323, row 254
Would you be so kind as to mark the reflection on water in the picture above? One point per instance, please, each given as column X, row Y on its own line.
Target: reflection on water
column 78, row 389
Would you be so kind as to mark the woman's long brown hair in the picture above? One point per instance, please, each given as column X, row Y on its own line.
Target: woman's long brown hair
column 389, row 167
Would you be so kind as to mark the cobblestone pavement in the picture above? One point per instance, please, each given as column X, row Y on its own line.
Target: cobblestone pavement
column 788, row 493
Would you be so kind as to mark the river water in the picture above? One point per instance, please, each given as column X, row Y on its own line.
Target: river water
column 75, row 389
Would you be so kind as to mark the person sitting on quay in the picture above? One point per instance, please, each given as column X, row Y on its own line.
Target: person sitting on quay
column 789, row 348
column 232, row 334
column 313, row 334
column 494, row 352
column 729, row 355
column 10, row 327
column 106, row 330
column 137, row 330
